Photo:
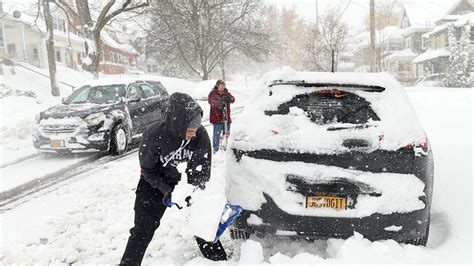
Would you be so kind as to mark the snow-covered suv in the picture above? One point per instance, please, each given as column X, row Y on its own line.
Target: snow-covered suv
column 104, row 115
column 324, row 155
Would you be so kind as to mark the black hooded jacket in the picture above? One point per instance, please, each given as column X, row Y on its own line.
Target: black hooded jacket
column 161, row 140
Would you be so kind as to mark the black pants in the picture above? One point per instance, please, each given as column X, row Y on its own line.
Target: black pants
column 148, row 212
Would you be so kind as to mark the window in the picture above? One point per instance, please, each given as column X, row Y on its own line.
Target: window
column 11, row 50
column 329, row 106
column 437, row 39
column 158, row 86
column 58, row 56
column 35, row 54
column 116, row 58
column 424, row 42
column 147, row 90
column 134, row 92
column 59, row 24
column 408, row 43
column 79, row 96
column 405, row 22
column 98, row 94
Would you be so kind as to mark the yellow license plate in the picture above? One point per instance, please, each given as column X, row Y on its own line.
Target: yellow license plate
column 56, row 143
column 327, row 202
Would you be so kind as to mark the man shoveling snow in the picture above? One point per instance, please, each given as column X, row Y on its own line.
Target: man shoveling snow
column 165, row 145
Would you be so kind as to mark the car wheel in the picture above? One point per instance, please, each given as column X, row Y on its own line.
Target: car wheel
column 118, row 140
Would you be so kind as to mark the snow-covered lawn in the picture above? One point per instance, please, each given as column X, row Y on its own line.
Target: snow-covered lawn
column 87, row 219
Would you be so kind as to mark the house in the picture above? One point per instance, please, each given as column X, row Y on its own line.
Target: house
column 394, row 58
column 23, row 37
column 117, row 57
column 435, row 60
column 417, row 19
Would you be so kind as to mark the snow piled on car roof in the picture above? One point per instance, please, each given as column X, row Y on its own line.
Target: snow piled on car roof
column 295, row 132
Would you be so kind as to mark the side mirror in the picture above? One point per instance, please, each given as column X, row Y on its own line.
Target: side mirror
column 63, row 100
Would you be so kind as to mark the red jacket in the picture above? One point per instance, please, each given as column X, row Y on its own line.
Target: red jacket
column 216, row 101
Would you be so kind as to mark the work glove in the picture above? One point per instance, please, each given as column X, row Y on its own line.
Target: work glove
column 227, row 98
column 166, row 200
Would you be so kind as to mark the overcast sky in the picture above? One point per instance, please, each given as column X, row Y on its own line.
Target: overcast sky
column 354, row 15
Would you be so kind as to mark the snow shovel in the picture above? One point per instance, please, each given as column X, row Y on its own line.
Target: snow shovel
column 214, row 250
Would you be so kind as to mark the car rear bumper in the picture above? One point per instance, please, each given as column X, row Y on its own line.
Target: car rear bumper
column 401, row 227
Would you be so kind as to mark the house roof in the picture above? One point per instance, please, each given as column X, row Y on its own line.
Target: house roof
column 425, row 13
column 431, row 54
column 453, row 7
column 108, row 40
column 403, row 54
column 461, row 21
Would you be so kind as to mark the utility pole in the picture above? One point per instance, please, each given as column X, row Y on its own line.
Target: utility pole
column 373, row 53
column 3, row 37
column 317, row 14
column 50, row 48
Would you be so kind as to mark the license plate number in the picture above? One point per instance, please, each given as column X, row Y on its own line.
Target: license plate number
column 56, row 143
column 327, row 202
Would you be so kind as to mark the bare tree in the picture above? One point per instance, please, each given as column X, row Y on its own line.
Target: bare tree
column 328, row 42
column 50, row 48
column 92, row 26
column 201, row 34
column 387, row 13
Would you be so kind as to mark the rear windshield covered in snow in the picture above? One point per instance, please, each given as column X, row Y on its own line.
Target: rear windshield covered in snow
column 97, row 94
column 327, row 106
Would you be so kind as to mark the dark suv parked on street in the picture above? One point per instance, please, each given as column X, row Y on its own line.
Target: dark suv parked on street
column 104, row 116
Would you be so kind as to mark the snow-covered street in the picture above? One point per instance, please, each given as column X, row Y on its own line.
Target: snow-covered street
column 231, row 132
column 86, row 220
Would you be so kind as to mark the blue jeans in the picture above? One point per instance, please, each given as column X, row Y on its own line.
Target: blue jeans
column 218, row 131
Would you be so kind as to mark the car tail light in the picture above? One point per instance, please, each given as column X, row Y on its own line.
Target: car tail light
column 421, row 147
column 336, row 93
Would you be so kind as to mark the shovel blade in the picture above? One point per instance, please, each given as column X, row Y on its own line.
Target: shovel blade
column 210, row 250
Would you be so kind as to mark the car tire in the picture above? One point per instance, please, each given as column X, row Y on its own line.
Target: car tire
column 118, row 140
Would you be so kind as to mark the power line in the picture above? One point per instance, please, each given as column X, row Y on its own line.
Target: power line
column 344, row 9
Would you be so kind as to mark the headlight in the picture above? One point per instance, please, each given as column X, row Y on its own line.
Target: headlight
column 94, row 119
